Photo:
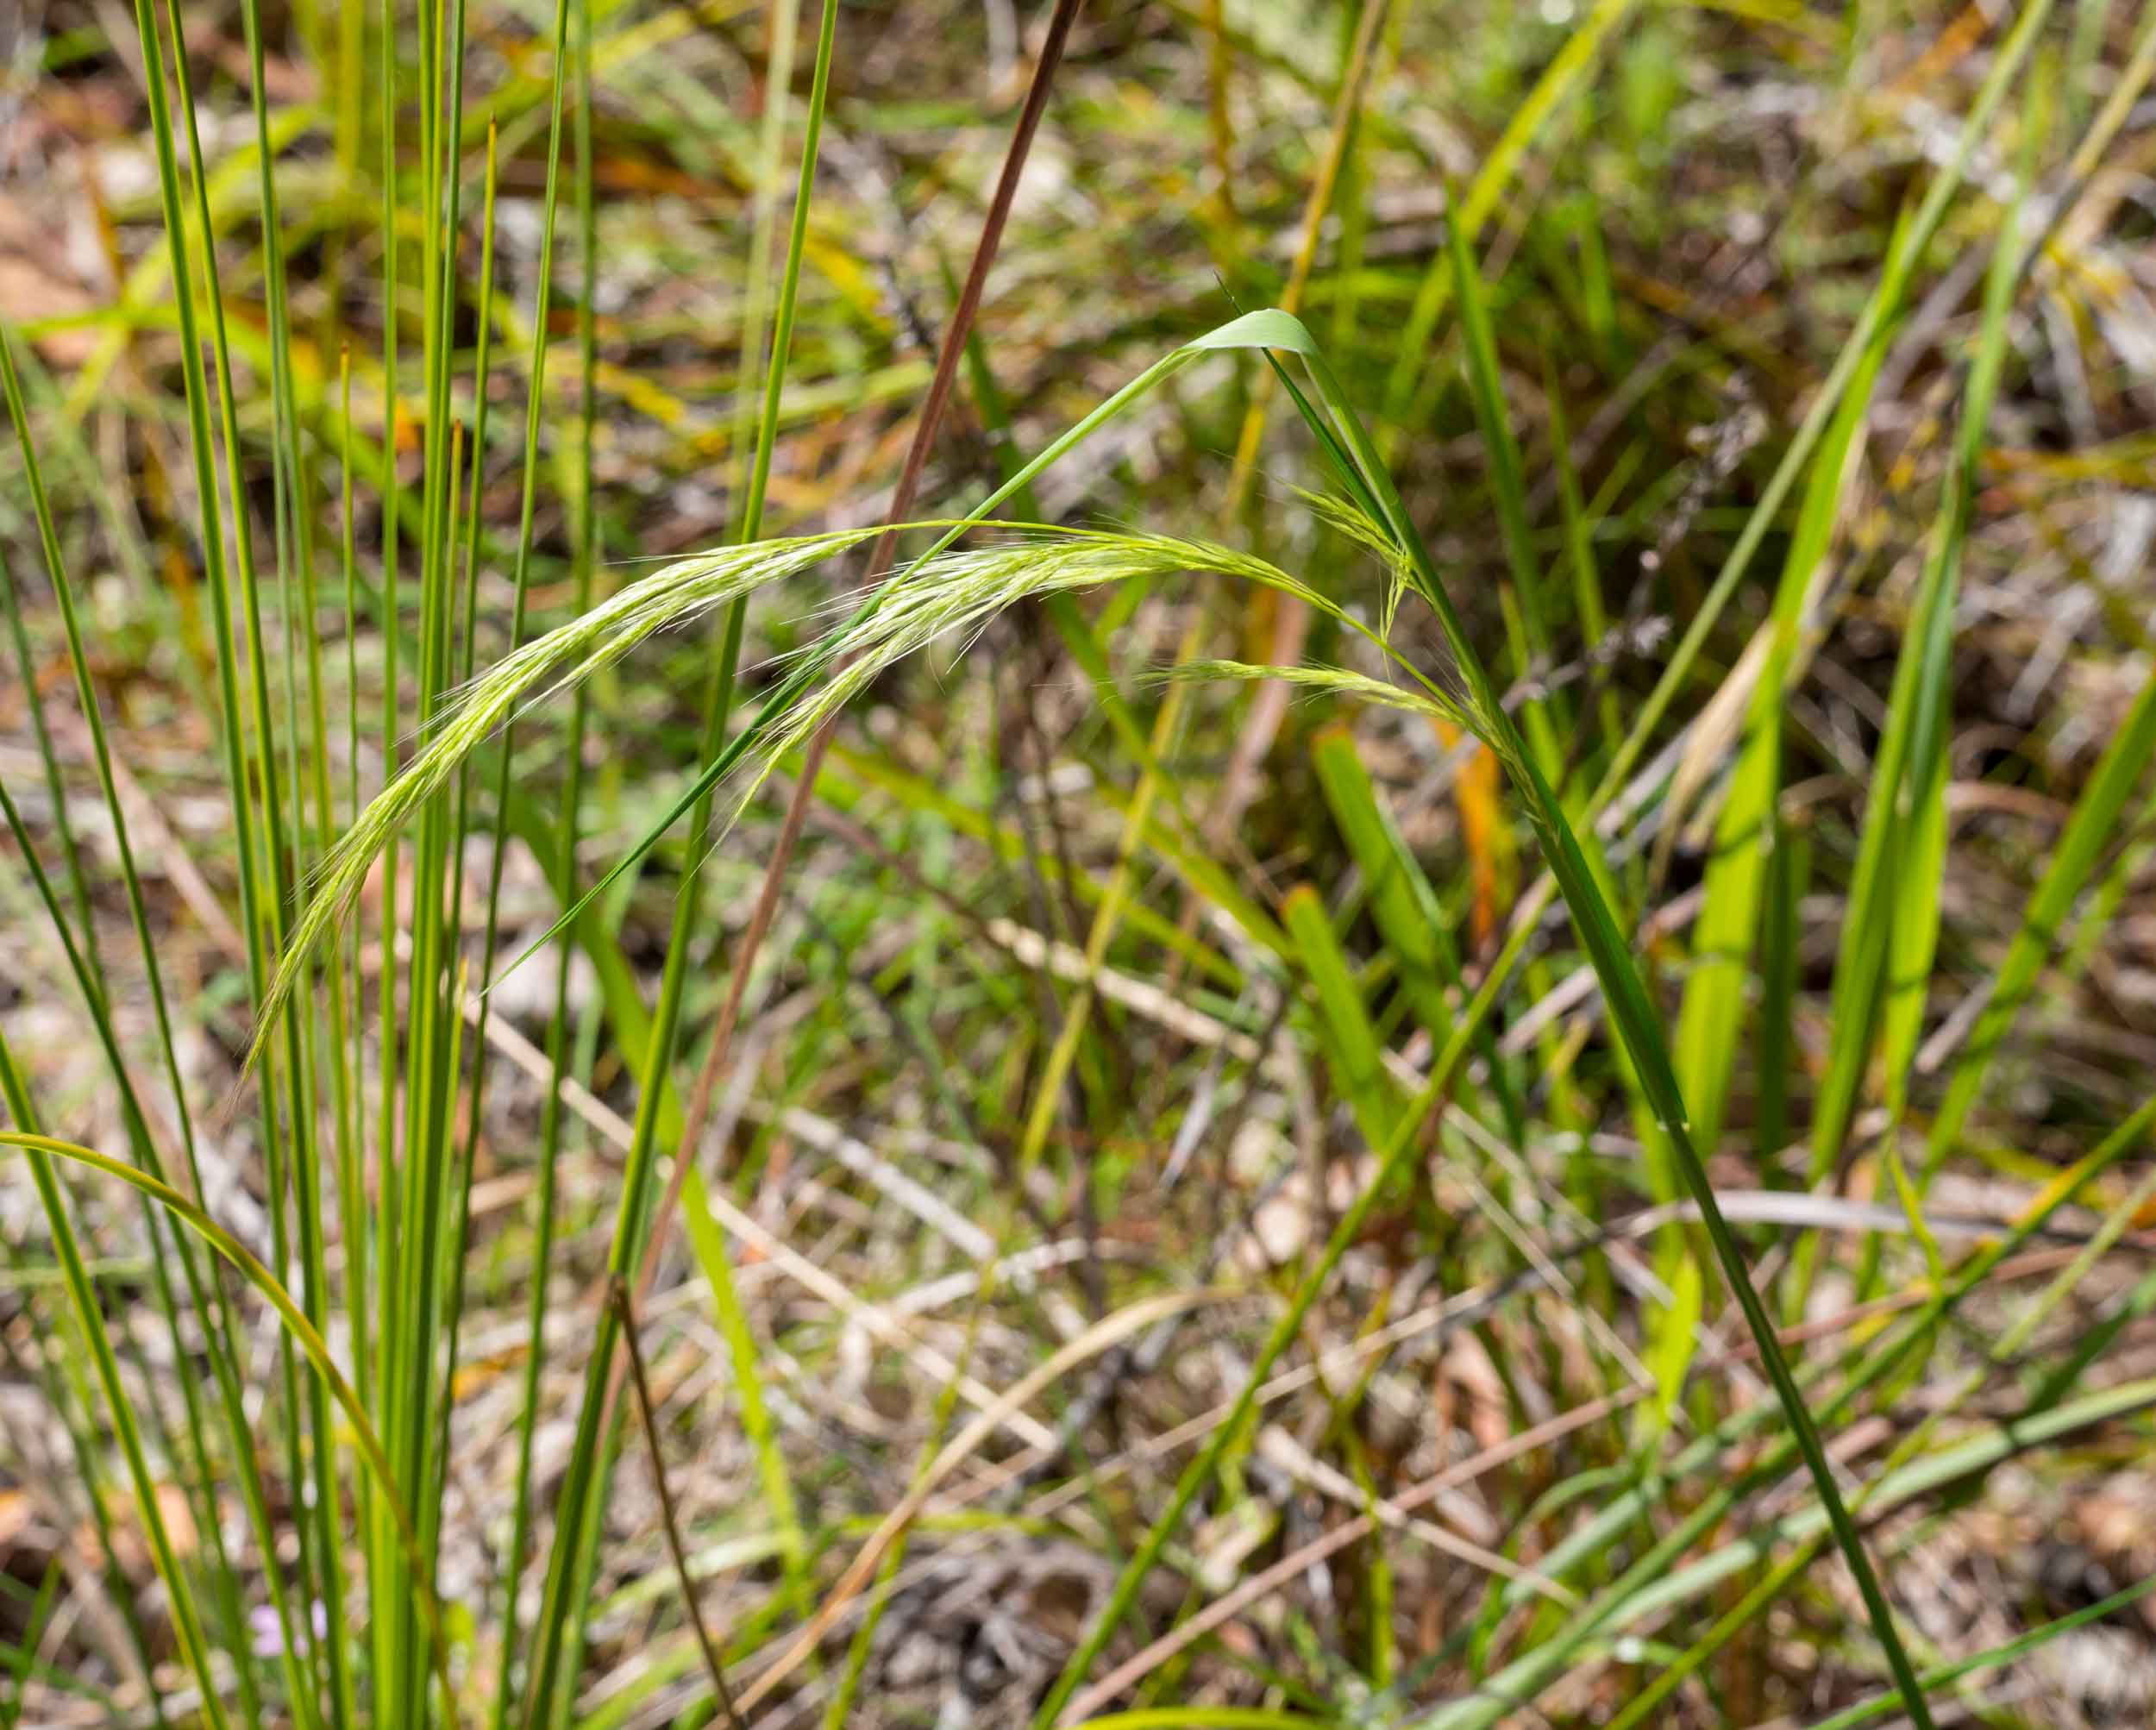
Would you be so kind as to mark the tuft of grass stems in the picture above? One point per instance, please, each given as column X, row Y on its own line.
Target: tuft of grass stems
column 318, row 1479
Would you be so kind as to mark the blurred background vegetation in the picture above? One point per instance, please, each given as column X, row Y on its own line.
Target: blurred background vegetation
column 1770, row 385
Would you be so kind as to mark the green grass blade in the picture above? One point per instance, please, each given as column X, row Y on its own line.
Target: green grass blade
column 2090, row 831
column 1405, row 907
column 41, row 1150
column 1530, row 640
column 1746, row 831
column 1631, row 1012
column 186, row 1619
column 1350, row 1039
column 1892, row 925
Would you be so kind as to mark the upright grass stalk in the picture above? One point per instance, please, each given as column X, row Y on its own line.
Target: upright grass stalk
column 456, row 1248
column 586, row 560
column 412, row 1406
column 388, row 1251
column 347, row 1007
column 562, row 1614
column 265, row 933
column 292, row 1322
column 293, row 495
column 186, row 1619
column 221, row 1337
column 535, row 408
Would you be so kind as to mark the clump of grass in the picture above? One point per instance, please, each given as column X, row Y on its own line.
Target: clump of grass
column 994, row 959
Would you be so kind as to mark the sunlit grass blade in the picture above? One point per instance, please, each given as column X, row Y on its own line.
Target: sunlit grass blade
column 2091, row 830
column 1884, row 963
column 1745, row 832
column 534, row 420
column 1351, row 1042
column 1404, row 905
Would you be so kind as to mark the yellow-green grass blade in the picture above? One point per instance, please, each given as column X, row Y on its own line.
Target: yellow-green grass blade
column 1890, row 928
column 1631, row 1010
column 1563, row 76
column 708, row 1242
column 1746, row 831
column 1916, row 919
column 2090, row 831
column 1404, row 906
column 1350, row 1041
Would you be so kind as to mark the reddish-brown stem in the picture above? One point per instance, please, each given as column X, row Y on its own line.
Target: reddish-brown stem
column 712, row 1664
column 879, row 557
